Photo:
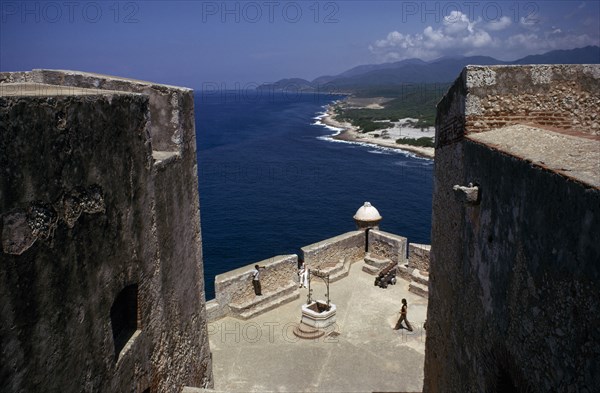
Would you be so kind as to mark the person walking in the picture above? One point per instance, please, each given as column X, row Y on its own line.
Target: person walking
column 403, row 314
column 256, row 279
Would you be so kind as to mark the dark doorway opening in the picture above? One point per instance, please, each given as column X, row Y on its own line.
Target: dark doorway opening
column 124, row 317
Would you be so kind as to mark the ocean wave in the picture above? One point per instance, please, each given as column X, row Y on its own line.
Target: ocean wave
column 336, row 130
column 374, row 148
column 320, row 115
column 412, row 164
column 381, row 151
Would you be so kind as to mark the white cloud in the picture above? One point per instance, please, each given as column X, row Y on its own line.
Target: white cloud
column 530, row 22
column 499, row 24
column 457, row 22
column 458, row 35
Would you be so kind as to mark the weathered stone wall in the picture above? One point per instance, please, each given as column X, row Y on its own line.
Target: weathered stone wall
column 328, row 253
column 514, row 278
column 235, row 286
column 559, row 96
column 387, row 245
column 166, row 102
column 185, row 355
column 85, row 210
column 418, row 256
column 564, row 97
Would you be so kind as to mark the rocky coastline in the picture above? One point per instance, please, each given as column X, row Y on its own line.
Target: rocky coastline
column 350, row 133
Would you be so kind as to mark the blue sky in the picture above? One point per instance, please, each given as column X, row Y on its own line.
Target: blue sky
column 226, row 43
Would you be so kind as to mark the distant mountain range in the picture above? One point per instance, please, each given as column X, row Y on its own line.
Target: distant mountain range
column 443, row 70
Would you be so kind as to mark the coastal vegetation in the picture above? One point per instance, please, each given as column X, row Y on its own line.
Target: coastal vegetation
column 410, row 88
column 423, row 141
column 406, row 101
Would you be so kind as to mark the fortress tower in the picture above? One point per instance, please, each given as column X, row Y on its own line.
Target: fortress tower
column 515, row 242
column 101, row 278
column 367, row 217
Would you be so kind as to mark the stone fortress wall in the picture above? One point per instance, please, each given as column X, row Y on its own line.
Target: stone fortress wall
column 100, row 236
column 513, row 302
column 387, row 245
column 335, row 253
column 101, row 245
column 234, row 295
column 418, row 256
column 101, row 280
column 556, row 96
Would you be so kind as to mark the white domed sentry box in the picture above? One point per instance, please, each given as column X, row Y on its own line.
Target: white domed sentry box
column 367, row 217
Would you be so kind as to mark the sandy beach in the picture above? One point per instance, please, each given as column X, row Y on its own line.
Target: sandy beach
column 384, row 137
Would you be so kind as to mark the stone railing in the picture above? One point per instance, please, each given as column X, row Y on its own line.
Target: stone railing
column 329, row 254
column 387, row 245
column 418, row 256
column 234, row 293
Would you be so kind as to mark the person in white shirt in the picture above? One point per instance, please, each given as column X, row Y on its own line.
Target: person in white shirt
column 256, row 279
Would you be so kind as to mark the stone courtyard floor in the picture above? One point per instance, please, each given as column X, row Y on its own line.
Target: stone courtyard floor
column 262, row 354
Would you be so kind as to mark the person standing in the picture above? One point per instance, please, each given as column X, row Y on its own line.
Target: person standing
column 303, row 274
column 403, row 314
column 256, row 279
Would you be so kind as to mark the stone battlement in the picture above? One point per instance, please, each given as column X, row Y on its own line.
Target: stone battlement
column 234, row 294
column 171, row 108
column 513, row 302
column 101, row 280
column 553, row 97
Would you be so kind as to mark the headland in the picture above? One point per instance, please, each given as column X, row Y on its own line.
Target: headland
column 385, row 137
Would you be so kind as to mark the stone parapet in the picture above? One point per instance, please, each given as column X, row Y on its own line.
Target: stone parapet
column 327, row 254
column 387, row 245
column 234, row 293
column 484, row 98
column 169, row 105
column 418, row 256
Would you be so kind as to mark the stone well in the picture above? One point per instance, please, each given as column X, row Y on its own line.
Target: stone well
column 317, row 315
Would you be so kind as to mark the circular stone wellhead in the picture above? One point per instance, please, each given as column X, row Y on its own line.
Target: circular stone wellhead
column 367, row 216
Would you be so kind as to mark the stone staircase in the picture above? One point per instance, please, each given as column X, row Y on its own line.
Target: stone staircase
column 339, row 271
column 374, row 264
column 420, row 277
column 306, row 332
column 419, row 289
column 419, row 283
column 267, row 302
column 418, row 280
column 405, row 272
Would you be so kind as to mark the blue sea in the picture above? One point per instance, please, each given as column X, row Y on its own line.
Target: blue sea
column 272, row 181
